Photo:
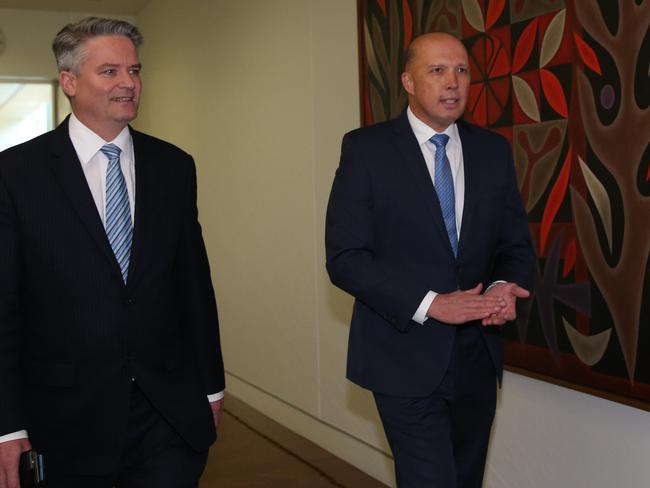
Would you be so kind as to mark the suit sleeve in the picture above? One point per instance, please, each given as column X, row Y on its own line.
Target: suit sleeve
column 197, row 294
column 353, row 261
column 10, row 316
column 514, row 256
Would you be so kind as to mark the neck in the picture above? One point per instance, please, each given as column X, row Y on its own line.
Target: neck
column 422, row 117
column 108, row 132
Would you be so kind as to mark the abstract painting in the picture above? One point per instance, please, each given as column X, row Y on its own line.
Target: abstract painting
column 567, row 82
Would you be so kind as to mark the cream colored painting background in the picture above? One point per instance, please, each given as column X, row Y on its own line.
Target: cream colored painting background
column 260, row 92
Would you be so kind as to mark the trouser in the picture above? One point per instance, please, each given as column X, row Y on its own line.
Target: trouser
column 441, row 440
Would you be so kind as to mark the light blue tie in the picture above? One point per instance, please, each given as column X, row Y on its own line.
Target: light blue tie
column 444, row 184
column 119, row 228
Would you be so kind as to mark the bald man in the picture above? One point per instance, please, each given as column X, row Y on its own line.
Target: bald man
column 426, row 229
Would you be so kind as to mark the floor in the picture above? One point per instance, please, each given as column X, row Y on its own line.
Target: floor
column 254, row 451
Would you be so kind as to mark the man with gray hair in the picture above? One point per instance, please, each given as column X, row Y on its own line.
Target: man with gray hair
column 110, row 359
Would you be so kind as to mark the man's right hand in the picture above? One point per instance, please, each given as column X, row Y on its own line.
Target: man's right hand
column 462, row 306
column 10, row 452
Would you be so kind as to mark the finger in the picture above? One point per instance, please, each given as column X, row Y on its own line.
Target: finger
column 465, row 299
column 492, row 320
column 477, row 313
column 520, row 292
column 470, row 315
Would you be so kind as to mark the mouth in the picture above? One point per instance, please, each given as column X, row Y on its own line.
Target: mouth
column 450, row 101
column 123, row 99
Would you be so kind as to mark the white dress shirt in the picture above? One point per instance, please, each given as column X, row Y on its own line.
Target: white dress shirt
column 87, row 145
column 454, row 151
column 94, row 163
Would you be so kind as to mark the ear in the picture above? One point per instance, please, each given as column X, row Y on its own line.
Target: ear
column 407, row 82
column 68, row 82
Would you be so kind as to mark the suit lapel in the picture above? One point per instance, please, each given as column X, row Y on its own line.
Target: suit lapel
column 471, row 165
column 144, row 176
column 408, row 146
column 68, row 172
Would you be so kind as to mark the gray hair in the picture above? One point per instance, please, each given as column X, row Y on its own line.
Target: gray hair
column 68, row 43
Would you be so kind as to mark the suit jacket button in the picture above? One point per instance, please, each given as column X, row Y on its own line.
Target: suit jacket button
column 129, row 301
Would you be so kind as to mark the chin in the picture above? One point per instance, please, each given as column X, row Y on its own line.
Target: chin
column 127, row 116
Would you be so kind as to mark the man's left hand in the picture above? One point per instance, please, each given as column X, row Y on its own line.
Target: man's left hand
column 509, row 292
column 217, row 411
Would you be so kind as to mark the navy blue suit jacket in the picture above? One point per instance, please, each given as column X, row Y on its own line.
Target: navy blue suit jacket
column 387, row 246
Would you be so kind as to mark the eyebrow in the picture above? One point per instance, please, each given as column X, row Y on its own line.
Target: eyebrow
column 113, row 65
column 444, row 65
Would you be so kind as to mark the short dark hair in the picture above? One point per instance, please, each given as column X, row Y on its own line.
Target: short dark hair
column 68, row 43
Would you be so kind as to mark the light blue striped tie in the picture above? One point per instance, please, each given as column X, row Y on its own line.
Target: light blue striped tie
column 444, row 184
column 119, row 228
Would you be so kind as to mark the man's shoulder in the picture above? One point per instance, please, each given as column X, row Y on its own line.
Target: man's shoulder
column 467, row 129
column 374, row 131
column 149, row 142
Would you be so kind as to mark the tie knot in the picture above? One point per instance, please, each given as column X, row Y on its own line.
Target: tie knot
column 111, row 151
column 439, row 140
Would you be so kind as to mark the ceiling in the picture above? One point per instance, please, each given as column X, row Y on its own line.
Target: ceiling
column 116, row 7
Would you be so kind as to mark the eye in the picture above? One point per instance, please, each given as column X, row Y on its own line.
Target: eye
column 134, row 71
column 109, row 71
column 437, row 70
column 463, row 69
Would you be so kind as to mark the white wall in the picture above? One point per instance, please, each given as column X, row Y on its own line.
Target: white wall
column 261, row 92
column 549, row 436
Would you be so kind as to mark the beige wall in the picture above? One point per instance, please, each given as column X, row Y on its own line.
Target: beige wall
column 260, row 92
column 29, row 37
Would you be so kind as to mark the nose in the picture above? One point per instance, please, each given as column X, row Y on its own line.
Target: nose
column 452, row 80
column 126, row 80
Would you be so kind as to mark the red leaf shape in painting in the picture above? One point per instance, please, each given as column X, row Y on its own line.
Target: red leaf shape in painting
column 569, row 257
column 494, row 12
column 408, row 23
column 554, row 92
column 477, row 103
column 498, row 63
column 554, row 201
column 382, row 6
column 497, row 92
column 587, row 54
column 477, row 62
column 524, row 46
column 647, row 177
column 501, row 65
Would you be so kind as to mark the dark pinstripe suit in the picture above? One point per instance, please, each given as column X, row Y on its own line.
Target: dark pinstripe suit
column 72, row 334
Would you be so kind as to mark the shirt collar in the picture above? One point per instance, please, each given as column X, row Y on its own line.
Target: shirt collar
column 87, row 143
column 423, row 132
